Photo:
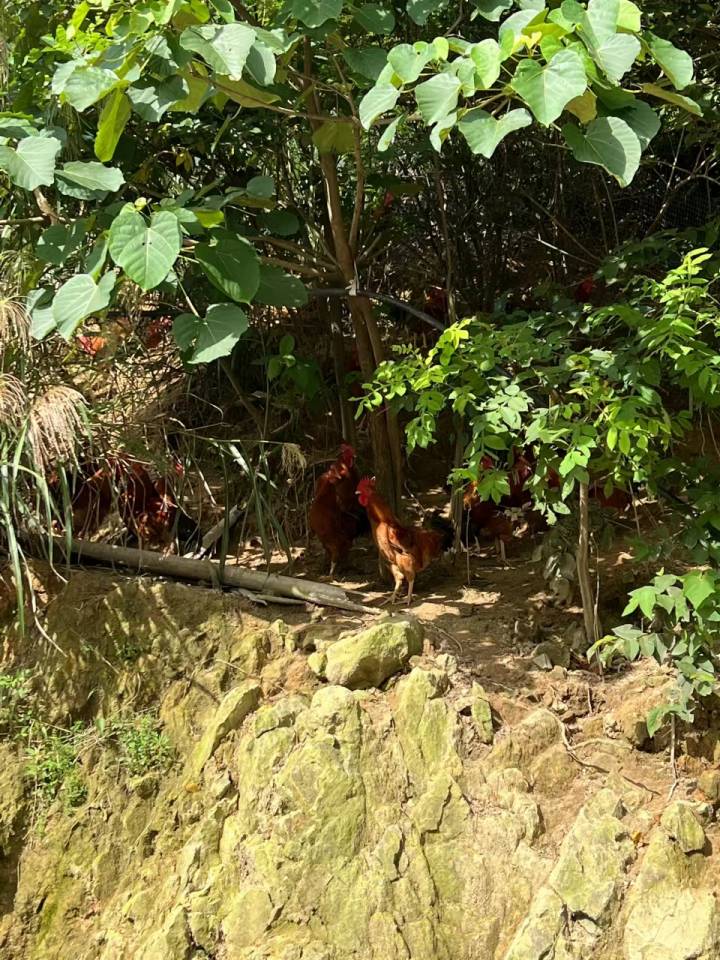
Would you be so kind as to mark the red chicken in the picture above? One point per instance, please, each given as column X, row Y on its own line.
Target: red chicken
column 335, row 528
column 407, row 549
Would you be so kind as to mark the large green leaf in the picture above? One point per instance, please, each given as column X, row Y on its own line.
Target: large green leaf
column 698, row 586
column 151, row 101
column 279, row 289
column 616, row 55
column 421, row 10
column 86, row 85
column 492, row 9
column 675, row 64
column 211, row 336
column 547, row 89
column 247, row 95
column 113, row 120
column 232, row 266
column 629, row 17
column 261, row 64
column 88, row 181
column 32, row 163
column 59, row 242
column 314, row 13
column 515, row 25
column 225, row 48
column 662, row 93
column 483, row 132
column 145, row 253
column 608, row 142
column 378, row 100
column 375, row 18
column 38, row 304
column 79, row 298
column 643, row 120
column 407, row 62
column 486, row 57
column 437, row 97
column 261, row 186
column 613, row 52
column 367, row 61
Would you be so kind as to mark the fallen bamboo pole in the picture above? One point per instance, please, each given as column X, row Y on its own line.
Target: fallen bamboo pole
column 269, row 585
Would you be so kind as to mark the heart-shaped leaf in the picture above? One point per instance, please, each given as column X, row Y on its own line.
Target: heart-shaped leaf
column 225, row 48
column 616, row 55
column 608, row 142
column 314, row 13
column 437, row 97
column 261, row 64
column 420, row 10
column 145, row 253
column 38, row 304
column 407, row 62
column 376, row 19
column 113, row 119
column 211, row 336
column 368, row 61
column 377, row 101
column 334, row 137
column 547, row 89
column 483, row 132
column 232, row 266
column 280, row 289
column 486, row 57
column 86, row 85
column 492, row 9
column 88, row 181
column 78, row 298
column 59, row 242
column 643, row 120
column 32, row 163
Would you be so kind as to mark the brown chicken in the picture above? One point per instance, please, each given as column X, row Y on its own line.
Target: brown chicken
column 334, row 527
column 407, row 549
column 148, row 508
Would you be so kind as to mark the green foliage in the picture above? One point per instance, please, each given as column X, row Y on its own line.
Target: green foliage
column 143, row 747
column 117, row 72
column 681, row 628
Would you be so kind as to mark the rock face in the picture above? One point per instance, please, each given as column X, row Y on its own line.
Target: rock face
column 308, row 821
column 368, row 657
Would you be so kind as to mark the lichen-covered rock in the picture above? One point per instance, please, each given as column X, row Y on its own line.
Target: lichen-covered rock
column 682, row 825
column 481, row 713
column 586, row 882
column 231, row 712
column 709, row 783
column 671, row 913
column 368, row 657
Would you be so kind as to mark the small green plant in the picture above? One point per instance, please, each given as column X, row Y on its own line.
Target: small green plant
column 128, row 649
column 14, row 700
column 680, row 627
column 53, row 767
column 142, row 746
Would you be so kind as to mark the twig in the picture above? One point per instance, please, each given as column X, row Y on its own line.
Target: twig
column 673, row 765
column 595, row 766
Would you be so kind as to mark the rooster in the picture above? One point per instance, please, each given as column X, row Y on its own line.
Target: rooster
column 336, row 518
column 408, row 550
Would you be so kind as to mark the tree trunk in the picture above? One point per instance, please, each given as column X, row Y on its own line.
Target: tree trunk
column 384, row 431
column 331, row 311
column 592, row 624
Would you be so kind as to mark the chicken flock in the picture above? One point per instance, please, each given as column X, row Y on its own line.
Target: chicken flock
column 345, row 506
